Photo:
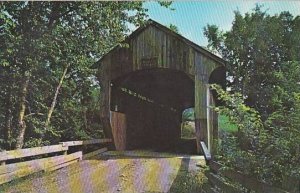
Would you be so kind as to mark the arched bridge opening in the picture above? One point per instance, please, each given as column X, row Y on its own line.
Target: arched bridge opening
column 147, row 84
column 152, row 102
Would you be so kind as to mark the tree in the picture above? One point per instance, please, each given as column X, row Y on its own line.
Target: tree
column 263, row 63
column 174, row 28
column 46, row 54
column 266, row 149
column 256, row 46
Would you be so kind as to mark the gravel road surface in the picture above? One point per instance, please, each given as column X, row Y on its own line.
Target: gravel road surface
column 128, row 172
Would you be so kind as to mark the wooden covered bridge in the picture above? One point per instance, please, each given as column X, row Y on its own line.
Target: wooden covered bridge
column 146, row 86
column 148, row 83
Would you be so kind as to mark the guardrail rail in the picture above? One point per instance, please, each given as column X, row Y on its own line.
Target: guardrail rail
column 21, row 168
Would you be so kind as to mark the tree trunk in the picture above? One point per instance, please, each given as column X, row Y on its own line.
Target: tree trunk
column 51, row 109
column 85, row 118
column 21, row 121
column 8, row 118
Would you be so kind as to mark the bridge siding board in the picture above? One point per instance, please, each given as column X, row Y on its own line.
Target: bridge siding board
column 168, row 50
column 104, row 76
column 214, row 128
column 212, row 121
column 200, row 100
column 118, row 125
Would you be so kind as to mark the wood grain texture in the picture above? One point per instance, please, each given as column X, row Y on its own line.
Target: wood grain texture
column 85, row 142
column 205, row 150
column 21, row 153
column 17, row 170
column 118, row 125
column 155, row 47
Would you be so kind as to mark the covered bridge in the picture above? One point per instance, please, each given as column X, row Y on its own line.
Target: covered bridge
column 146, row 85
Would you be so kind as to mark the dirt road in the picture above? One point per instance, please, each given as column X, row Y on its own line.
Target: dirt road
column 128, row 172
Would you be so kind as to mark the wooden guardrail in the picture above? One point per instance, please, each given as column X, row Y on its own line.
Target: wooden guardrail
column 247, row 182
column 86, row 142
column 205, row 151
column 21, row 168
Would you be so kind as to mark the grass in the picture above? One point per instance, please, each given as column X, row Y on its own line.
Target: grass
column 225, row 125
column 189, row 182
column 188, row 130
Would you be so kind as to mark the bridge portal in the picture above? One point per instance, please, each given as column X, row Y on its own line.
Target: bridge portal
column 146, row 85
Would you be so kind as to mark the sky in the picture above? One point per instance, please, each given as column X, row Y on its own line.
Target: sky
column 191, row 16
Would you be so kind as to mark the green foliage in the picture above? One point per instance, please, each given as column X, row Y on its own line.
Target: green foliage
column 225, row 124
column 188, row 130
column 188, row 114
column 257, row 45
column 187, row 181
column 39, row 40
column 166, row 4
column 246, row 119
column 268, row 150
column 174, row 28
column 283, row 125
column 262, row 54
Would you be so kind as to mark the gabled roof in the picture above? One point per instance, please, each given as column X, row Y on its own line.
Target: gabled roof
column 153, row 23
column 202, row 50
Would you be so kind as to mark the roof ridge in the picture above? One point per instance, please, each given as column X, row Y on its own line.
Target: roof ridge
column 151, row 22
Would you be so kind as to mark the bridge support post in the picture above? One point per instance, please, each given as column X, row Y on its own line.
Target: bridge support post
column 201, row 103
column 104, row 77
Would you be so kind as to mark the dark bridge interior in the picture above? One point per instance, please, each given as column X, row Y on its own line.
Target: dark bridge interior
column 153, row 101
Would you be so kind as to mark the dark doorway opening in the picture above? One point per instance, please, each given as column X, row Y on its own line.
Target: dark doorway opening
column 152, row 101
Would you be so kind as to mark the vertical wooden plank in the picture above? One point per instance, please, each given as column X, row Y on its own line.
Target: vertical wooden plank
column 158, row 47
column 133, row 48
column 151, row 51
column 215, row 131
column 119, row 125
column 212, row 124
column 144, row 44
column 138, row 52
column 172, row 53
column 164, row 51
column 208, row 117
column 105, row 76
column 168, row 52
column 201, row 81
column 192, row 61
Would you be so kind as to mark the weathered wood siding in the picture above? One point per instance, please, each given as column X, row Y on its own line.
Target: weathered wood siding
column 153, row 48
column 104, row 76
column 157, row 47
column 118, row 125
